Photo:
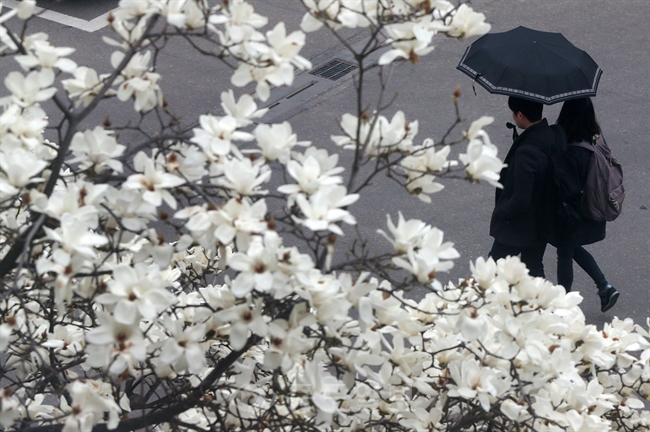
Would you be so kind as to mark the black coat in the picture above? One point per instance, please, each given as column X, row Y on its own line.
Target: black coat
column 517, row 216
column 588, row 230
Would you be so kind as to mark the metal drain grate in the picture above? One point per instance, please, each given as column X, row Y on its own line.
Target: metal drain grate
column 333, row 70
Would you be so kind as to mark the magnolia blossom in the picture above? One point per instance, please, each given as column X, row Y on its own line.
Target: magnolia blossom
column 137, row 81
column 75, row 238
column 216, row 134
column 467, row 23
column 309, row 177
column 243, row 110
column 237, row 220
column 20, row 168
column 243, row 320
column 153, row 181
column 276, row 141
column 409, row 40
column 10, row 409
column 244, row 176
column 91, row 400
column 274, row 63
column 323, row 209
column 258, row 267
column 28, row 90
column 407, row 235
column 481, row 161
column 432, row 257
column 136, row 292
column 85, row 85
column 324, row 390
column 114, row 346
column 26, row 9
column 47, row 57
column 182, row 350
column 97, row 148
column 23, row 127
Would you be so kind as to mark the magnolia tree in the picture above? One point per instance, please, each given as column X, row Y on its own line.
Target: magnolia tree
column 152, row 279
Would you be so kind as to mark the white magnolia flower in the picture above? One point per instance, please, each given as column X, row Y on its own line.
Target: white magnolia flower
column 409, row 40
column 323, row 209
column 422, row 185
column 467, row 23
column 79, row 199
column 67, row 341
column 114, row 346
column 481, row 161
column 432, row 257
column 19, row 168
column 328, row 163
column 244, row 176
column 319, row 11
column 284, row 51
column 484, row 271
column 216, row 134
column 407, row 235
column 325, row 389
column 91, row 400
column 27, row 90
column 243, row 320
column 153, row 181
column 473, row 381
column 85, row 85
column 47, row 57
column 10, row 409
column 258, row 267
column 180, row 13
column 237, row 220
column 239, row 14
column 23, row 127
column 425, row 159
column 243, row 110
column 26, row 9
column 276, row 141
column 182, row 350
column 136, row 292
column 137, row 81
column 309, row 177
column 134, row 9
column 75, row 238
column 96, row 148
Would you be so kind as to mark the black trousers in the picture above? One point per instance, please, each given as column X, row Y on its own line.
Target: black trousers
column 566, row 254
column 532, row 256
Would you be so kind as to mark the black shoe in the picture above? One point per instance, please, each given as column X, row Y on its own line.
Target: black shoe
column 608, row 298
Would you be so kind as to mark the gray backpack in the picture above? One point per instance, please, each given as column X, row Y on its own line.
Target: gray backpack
column 603, row 194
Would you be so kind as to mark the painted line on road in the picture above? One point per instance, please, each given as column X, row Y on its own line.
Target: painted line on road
column 78, row 23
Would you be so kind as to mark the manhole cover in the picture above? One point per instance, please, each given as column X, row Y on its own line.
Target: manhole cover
column 333, row 70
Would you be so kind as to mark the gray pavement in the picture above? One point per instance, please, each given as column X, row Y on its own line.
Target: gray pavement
column 614, row 32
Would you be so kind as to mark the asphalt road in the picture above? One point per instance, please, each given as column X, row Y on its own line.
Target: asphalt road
column 614, row 32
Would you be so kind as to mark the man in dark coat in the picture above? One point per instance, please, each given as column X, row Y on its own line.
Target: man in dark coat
column 517, row 225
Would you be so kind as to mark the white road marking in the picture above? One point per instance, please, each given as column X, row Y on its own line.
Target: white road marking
column 78, row 23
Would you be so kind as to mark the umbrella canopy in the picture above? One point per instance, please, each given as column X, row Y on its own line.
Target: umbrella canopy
column 540, row 66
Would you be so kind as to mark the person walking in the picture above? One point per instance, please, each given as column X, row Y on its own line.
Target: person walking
column 517, row 223
column 578, row 119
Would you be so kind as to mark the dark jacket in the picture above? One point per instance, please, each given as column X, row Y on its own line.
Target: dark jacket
column 588, row 230
column 517, row 216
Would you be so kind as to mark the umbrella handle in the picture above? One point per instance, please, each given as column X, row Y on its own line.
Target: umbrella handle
column 515, row 134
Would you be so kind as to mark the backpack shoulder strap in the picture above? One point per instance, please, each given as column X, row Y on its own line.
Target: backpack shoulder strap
column 583, row 144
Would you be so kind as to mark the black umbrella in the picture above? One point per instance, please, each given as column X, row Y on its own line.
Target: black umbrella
column 531, row 64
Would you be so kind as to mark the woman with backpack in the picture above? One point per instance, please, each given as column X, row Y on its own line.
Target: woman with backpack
column 578, row 119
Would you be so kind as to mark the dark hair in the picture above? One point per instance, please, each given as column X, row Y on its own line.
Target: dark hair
column 530, row 109
column 578, row 119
